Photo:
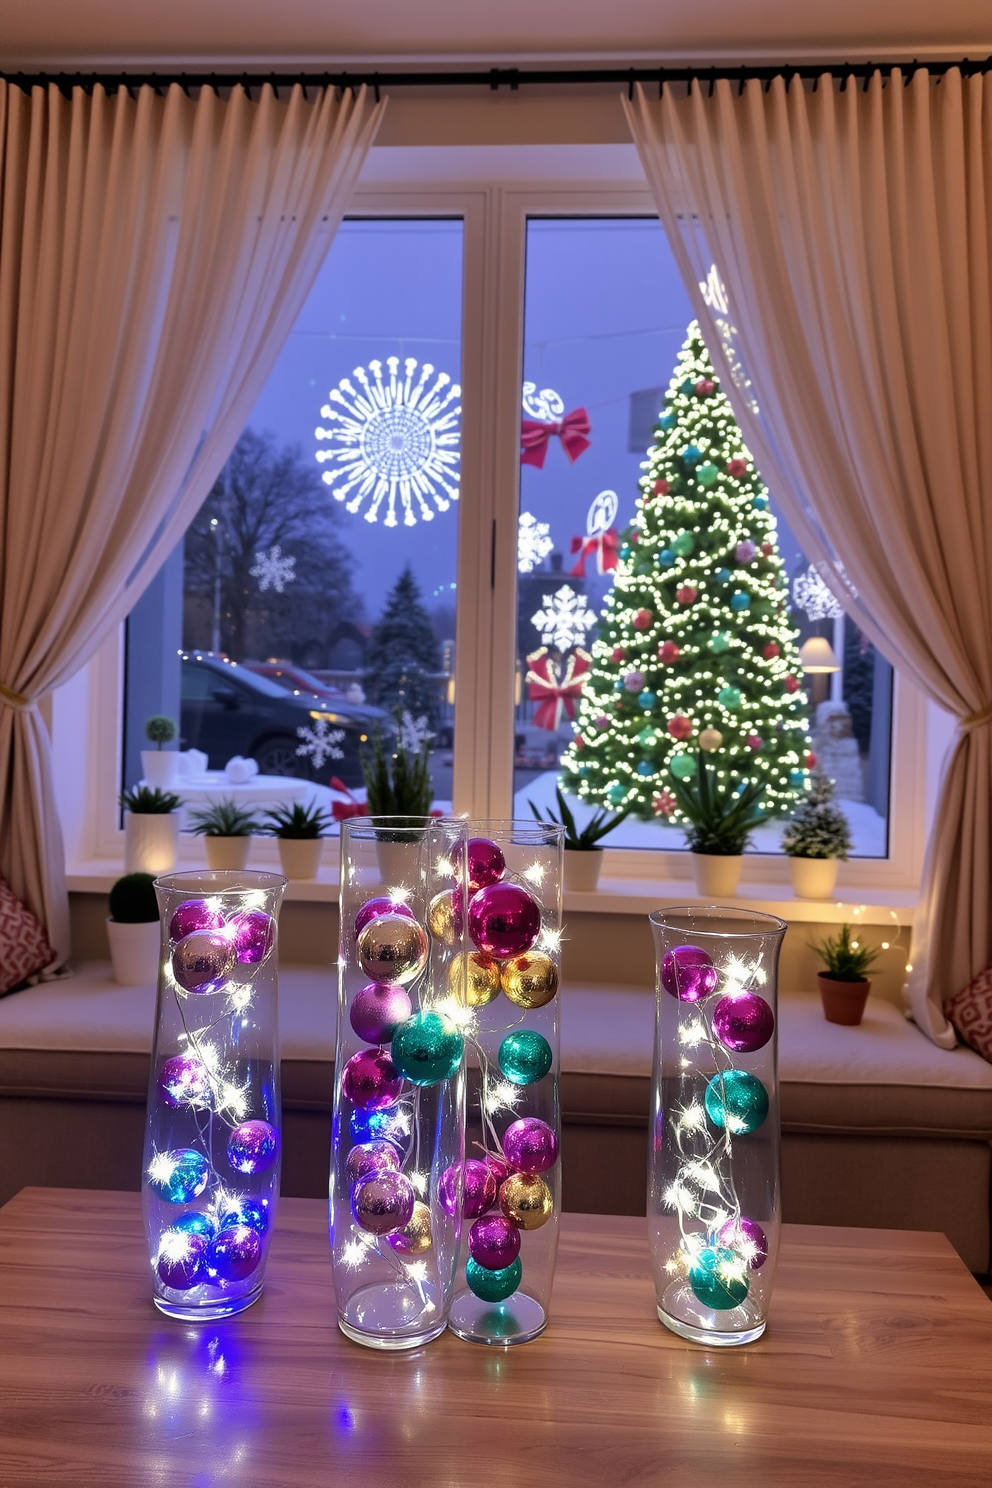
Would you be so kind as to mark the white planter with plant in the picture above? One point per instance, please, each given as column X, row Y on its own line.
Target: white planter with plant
column 151, row 829
column 817, row 840
column 398, row 784
column 133, row 930
column 227, row 830
column 844, row 987
column 299, row 831
column 719, row 822
column 583, row 859
column 160, row 766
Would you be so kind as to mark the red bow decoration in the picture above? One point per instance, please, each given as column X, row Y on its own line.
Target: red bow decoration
column 342, row 810
column 571, row 430
column 555, row 690
column 604, row 546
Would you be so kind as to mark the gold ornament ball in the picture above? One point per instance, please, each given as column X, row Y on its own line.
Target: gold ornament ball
column 414, row 1238
column 392, row 948
column 443, row 917
column 710, row 740
column 474, row 979
column 530, row 980
column 526, row 1200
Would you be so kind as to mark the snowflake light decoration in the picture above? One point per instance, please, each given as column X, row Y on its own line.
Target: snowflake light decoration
column 564, row 620
column 533, row 543
column 414, row 733
column 320, row 742
column 393, row 441
column 272, row 570
column 811, row 594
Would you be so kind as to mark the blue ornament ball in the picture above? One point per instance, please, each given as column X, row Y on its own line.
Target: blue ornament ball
column 740, row 601
column 525, row 1057
column 718, row 1278
column 251, row 1212
column 391, row 1124
column 723, row 575
column 645, row 768
column 683, row 765
column 195, row 1223
column 666, row 558
column 691, row 455
column 646, row 699
column 493, row 1286
column 427, row 1048
column 616, row 794
column 179, row 1176
column 736, row 1100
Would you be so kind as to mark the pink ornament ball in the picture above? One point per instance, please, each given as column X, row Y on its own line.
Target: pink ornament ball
column 704, row 387
column 486, row 864
column 500, row 1170
column 494, row 1242
column 747, row 1238
column 643, row 620
column 378, row 1010
column 253, row 935
column 203, row 961
column 371, row 1157
column 745, row 551
column 530, row 1145
column 181, row 1258
column 479, row 1189
column 754, row 741
column 687, row 595
column 373, row 908
column 688, row 973
column 371, row 1080
column 602, row 722
column 743, row 1024
column 504, row 920
column 253, row 1147
column 634, row 681
column 383, row 1202
column 234, row 1253
column 617, row 655
column 194, row 914
column 737, row 468
column 668, row 652
column 183, row 1081
column 663, row 803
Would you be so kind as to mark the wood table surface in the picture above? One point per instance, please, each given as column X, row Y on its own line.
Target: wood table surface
column 876, row 1368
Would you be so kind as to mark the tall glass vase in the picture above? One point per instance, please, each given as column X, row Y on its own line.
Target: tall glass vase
column 508, row 983
column 212, row 1139
column 713, row 1161
column 398, row 1133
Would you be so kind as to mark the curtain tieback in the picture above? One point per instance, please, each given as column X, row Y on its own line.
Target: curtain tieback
column 976, row 719
column 15, row 700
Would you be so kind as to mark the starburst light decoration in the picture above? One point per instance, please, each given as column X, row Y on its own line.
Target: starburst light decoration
column 320, row 742
column 393, row 441
column 273, row 570
column 811, row 594
column 534, row 543
column 564, row 620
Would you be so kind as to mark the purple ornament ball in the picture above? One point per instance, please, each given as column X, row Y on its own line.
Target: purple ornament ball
column 378, row 1010
column 478, row 1188
column 486, row 864
column 383, row 1202
column 504, row 920
column 180, row 1263
column 530, row 1145
column 203, row 960
column 234, row 1253
column 194, row 914
column 371, row 1080
column 748, row 1239
column 688, row 973
column 253, row 934
column 499, row 1169
column 183, row 1081
column 494, row 1242
column 743, row 1023
column 373, row 908
column 253, row 1147
column 371, row 1157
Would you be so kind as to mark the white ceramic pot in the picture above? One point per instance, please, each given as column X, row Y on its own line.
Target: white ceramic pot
column 160, row 767
column 399, row 863
column 582, row 869
column 299, row 857
column 227, row 852
column 716, row 877
column 134, row 952
column 150, row 841
column 814, row 878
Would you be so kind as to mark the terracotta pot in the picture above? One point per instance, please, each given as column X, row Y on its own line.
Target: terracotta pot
column 843, row 1002
column 134, row 952
column 716, row 877
column 814, row 878
column 160, row 767
column 299, row 857
column 227, row 852
column 150, row 841
column 582, row 869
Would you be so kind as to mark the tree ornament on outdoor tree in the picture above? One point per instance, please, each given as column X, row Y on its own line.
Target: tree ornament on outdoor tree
column 710, row 739
column 680, row 727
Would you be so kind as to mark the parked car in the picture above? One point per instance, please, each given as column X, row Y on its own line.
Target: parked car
column 294, row 679
column 227, row 710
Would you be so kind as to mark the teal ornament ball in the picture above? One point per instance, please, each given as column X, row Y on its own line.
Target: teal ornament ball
column 688, row 387
column 719, row 642
column 691, row 455
column 645, row 768
column 525, row 1057
column 708, row 474
column 797, row 779
column 667, row 421
column 684, row 544
column 427, row 1049
column 736, row 1100
column 179, row 1176
column 729, row 697
column 761, row 502
column 718, row 1278
column 646, row 699
column 683, row 765
column 647, row 738
column 740, row 601
column 625, row 550
column 666, row 558
column 493, row 1286
column 615, row 795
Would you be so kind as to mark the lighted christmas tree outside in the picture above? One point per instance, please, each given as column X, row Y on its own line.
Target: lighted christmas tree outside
column 695, row 647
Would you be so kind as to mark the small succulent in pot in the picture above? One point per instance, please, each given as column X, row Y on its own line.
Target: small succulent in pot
column 147, row 800
column 720, row 818
column 599, row 825
column 300, row 830
column 223, row 818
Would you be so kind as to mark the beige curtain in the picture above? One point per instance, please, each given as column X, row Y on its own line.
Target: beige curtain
column 837, row 246
column 154, row 254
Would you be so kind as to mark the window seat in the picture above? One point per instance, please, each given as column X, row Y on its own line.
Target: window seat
column 880, row 1126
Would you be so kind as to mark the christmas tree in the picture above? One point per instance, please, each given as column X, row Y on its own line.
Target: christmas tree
column 695, row 647
column 404, row 658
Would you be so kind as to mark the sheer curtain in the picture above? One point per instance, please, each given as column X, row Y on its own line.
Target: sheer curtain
column 154, row 254
column 838, row 248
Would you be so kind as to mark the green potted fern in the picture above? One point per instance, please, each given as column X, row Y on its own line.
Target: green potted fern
column 299, row 830
column 719, row 822
column 227, row 830
column 133, row 930
column 151, row 829
column 844, row 985
column 160, row 766
column 817, row 840
column 398, row 785
column 583, row 857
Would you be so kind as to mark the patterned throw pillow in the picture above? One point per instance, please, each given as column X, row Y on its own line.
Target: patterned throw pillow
column 24, row 947
column 971, row 1013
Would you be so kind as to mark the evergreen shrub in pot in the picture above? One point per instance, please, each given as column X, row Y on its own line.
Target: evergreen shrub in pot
column 151, row 829
column 133, row 930
column 720, row 820
column 398, row 785
column 583, row 859
column 844, row 987
column 300, row 832
column 227, row 830
column 160, row 766
column 817, row 840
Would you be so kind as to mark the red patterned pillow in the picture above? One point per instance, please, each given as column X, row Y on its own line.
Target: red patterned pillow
column 24, row 947
column 971, row 1013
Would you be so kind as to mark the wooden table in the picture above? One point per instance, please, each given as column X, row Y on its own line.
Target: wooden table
column 875, row 1369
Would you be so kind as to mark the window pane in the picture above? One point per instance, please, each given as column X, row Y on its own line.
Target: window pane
column 642, row 641
column 313, row 599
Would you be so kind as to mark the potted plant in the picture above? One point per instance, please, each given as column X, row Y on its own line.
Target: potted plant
column 583, row 859
column 398, row 784
column 227, row 830
column 160, row 766
column 817, row 840
column 300, row 832
column 720, row 822
column 844, row 987
column 133, row 930
column 151, row 828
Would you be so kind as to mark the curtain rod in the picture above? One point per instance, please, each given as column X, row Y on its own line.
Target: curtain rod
column 493, row 78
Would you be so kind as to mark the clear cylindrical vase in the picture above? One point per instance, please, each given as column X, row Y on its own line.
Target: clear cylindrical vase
column 210, row 1179
column 398, row 1133
column 713, row 1160
column 508, row 984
